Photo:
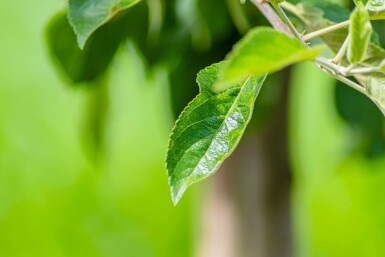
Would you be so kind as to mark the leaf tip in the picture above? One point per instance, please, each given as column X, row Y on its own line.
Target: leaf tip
column 177, row 193
column 81, row 41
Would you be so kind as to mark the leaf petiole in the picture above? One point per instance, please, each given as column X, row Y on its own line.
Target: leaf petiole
column 291, row 8
column 361, row 70
column 325, row 65
column 341, row 53
column 332, row 70
column 326, row 30
column 288, row 22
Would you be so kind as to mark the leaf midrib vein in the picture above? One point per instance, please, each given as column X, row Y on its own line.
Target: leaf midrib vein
column 223, row 122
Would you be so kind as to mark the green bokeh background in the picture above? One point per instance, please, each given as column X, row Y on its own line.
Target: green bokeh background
column 338, row 204
column 54, row 199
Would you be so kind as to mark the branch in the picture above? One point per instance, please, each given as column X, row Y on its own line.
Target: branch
column 326, row 30
column 331, row 69
column 272, row 16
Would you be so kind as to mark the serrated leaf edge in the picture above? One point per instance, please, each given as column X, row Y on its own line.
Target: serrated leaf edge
column 177, row 196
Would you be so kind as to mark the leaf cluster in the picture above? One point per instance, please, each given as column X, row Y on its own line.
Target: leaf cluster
column 184, row 36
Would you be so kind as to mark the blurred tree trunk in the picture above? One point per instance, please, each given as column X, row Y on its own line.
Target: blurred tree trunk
column 247, row 211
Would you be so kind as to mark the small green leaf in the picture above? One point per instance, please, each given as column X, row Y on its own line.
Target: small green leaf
column 376, row 5
column 376, row 90
column 373, row 56
column 377, row 9
column 209, row 129
column 360, row 31
column 331, row 14
column 261, row 51
column 360, row 1
column 86, row 16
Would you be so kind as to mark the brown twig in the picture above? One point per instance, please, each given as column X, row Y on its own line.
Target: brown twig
column 325, row 65
column 272, row 16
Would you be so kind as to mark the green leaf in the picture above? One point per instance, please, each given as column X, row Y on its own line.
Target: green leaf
column 376, row 5
column 360, row 1
column 376, row 89
column 328, row 10
column 321, row 14
column 377, row 9
column 360, row 31
column 261, row 51
column 86, row 16
column 277, row 1
column 209, row 129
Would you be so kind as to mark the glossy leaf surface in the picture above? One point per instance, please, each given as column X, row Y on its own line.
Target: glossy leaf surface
column 209, row 129
column 86, row 16
column 360, row 31
column 264, row 50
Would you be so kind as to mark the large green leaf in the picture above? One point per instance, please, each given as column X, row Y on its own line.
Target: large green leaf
column 360, row 31
column 86, row 16
column 264, row 50
column 209, row 129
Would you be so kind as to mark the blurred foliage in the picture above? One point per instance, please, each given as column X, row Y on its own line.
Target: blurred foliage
column 54, row 200
column 90, row 63
column 185, row 39
column 365, row 120
column 337, row 205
